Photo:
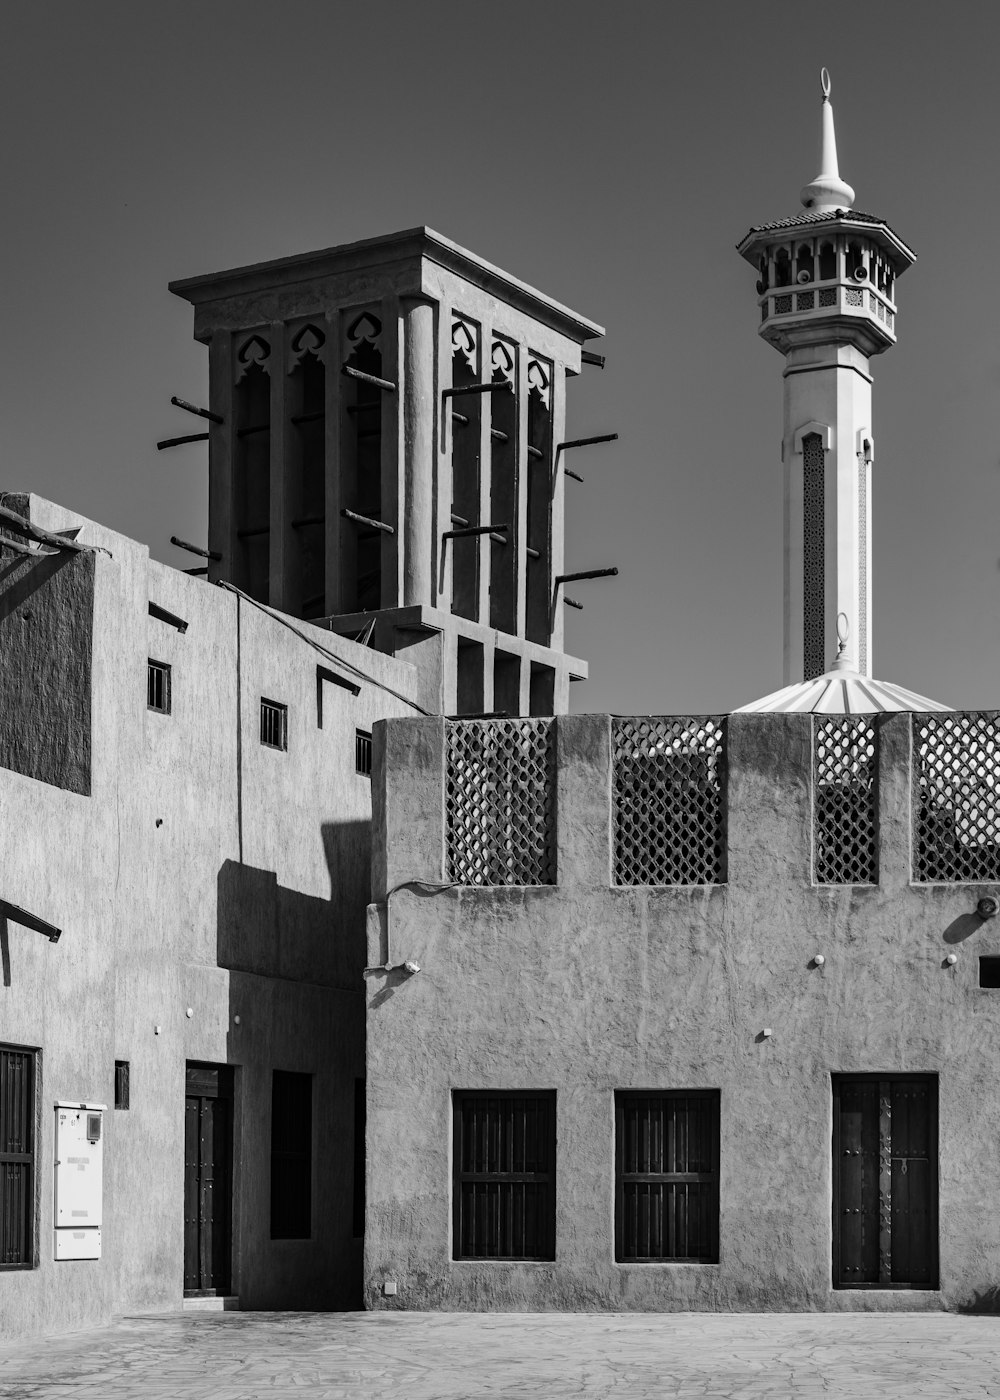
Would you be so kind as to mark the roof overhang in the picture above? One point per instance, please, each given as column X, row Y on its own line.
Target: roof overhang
column 898, row 253
column 392, row 249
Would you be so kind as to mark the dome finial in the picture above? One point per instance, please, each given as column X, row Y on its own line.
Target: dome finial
column 828, row 191
column 844, row 661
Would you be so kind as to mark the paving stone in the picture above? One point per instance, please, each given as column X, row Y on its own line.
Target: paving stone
column 509, row 1356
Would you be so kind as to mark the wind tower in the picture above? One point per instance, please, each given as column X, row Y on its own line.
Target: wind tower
column 387, row 424
column 826, row 293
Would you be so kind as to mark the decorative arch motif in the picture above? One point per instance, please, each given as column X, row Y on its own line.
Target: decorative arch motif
column 539, row 379
column 365, row 329
column 254, row 351
column 503, row 362
column 465, row 341
column 308, row 340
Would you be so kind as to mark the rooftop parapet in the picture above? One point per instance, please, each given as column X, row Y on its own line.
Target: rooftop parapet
column 689, row 801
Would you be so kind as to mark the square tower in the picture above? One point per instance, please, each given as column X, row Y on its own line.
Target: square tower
column 386, row 459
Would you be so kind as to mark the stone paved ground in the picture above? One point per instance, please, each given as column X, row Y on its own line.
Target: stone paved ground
column 510, row 1356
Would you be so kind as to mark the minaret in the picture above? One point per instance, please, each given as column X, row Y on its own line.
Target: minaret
column 826, row 285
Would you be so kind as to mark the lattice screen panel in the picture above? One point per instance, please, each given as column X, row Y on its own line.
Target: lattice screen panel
column 669, row 807
column 845, row 794
column 957, row 818
column 501, row 802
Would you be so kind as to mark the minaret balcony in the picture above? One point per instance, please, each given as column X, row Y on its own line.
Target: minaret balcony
column 841, row 310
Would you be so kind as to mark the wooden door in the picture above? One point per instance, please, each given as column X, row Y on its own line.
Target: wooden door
column 208, row 1208
column 885, row 1182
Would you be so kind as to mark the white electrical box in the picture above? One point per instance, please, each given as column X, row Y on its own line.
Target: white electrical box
column 79, row 1180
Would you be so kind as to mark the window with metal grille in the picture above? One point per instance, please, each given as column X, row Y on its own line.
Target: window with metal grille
column 669, row 800
column 158, row 687
column 505, row 1150
column 957, row 798
column 121, row 1083
column 667, row 1193
column 17, row 1157
column 501, row 802
column 845, row 800
column 363, row 752
column 291, row 1155
column 273, row 724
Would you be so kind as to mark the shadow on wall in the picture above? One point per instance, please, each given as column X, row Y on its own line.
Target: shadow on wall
column 46, row 640
column 268, row 929
column 963, row 927
column 987, row 1300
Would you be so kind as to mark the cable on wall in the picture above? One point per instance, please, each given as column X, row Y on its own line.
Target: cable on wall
column 323, row 651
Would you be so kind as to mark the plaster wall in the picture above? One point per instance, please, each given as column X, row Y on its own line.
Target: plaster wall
column 197, row 878
column 584, row 988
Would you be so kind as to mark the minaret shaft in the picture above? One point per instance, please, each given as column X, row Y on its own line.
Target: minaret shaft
column 825, row 292
column 827, row 452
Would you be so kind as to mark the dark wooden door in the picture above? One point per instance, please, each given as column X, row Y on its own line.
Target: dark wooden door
column 885, row 1182
column 208, row 1206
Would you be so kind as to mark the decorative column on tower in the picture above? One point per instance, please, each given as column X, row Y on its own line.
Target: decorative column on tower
column 826, row 285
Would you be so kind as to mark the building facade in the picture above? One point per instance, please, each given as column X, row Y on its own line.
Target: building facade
column 185, row 770
column 726, row 1039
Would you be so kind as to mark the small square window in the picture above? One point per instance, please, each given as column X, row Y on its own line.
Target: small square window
column 989, row 972
column 273, row 724
column 363, row 752
column 158, row 687
column 121, row 1083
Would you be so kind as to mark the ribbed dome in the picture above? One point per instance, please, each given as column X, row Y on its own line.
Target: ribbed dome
column 841, row 691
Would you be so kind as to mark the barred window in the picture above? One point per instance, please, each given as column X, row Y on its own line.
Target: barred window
column 122, row 1083
column 273, row 724
column 669, row 804
column 363, row 752
column 158, row 687
column 845, row 795
column 667, row 1190
column 957, row 798
column 17, row 1157
column 501, row 802
column 504, row 1194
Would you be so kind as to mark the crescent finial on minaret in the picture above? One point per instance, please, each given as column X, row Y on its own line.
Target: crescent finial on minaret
column 827, row 191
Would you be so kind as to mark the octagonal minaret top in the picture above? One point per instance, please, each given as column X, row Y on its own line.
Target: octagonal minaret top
column 827, row 274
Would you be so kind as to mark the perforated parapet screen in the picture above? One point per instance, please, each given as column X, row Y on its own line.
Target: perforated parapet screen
column 845, row 796
column 956, row 760
column 669, row 800
column 501, row 802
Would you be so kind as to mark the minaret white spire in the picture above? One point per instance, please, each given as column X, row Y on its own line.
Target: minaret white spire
column 827, row 191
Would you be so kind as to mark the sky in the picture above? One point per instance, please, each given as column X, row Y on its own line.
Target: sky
column 610, row 154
